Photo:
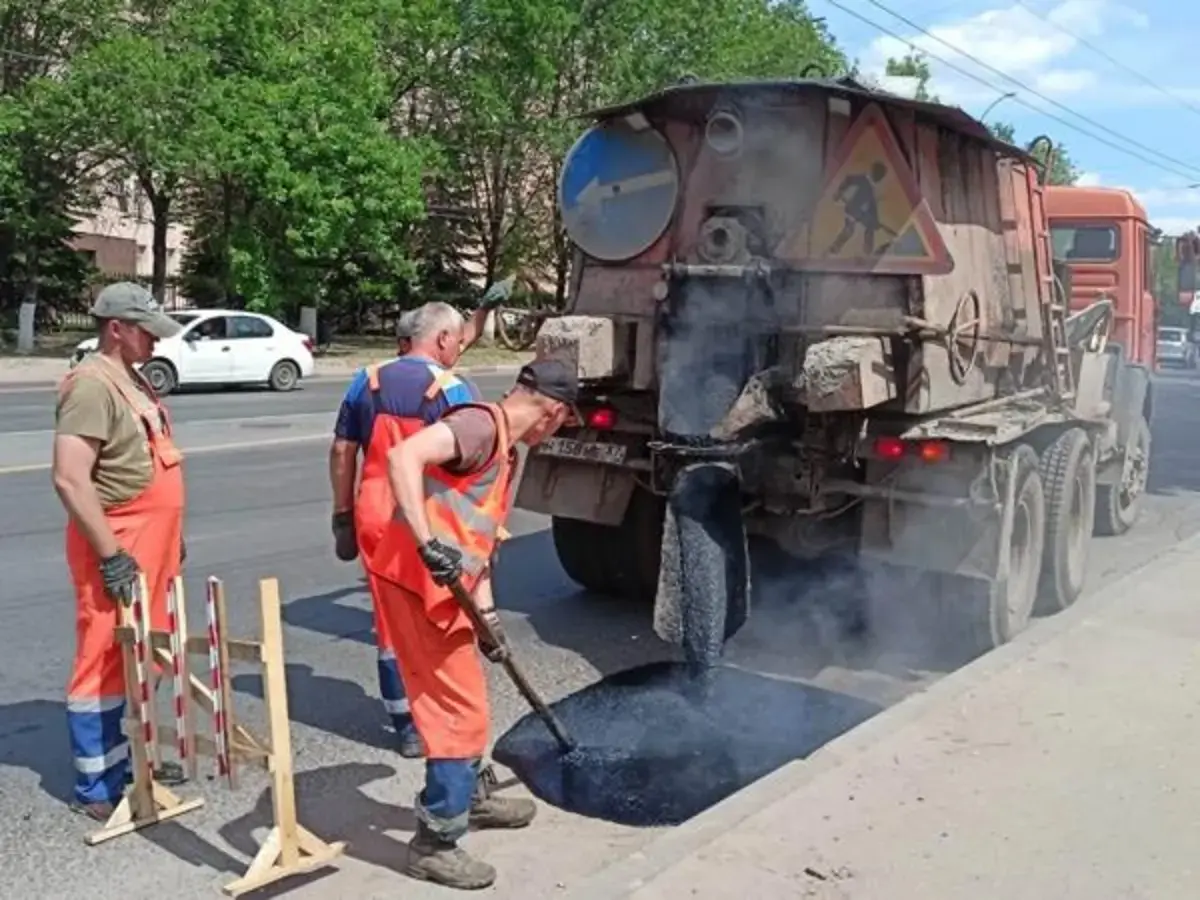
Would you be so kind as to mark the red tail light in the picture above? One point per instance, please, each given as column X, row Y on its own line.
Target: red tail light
column 308, row 344
column 893, row 449
column 602, row 419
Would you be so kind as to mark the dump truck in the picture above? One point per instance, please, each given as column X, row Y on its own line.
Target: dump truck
column 851, row 304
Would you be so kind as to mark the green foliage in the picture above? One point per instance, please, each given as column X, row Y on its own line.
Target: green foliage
column 1063, row 170
column 913, row 65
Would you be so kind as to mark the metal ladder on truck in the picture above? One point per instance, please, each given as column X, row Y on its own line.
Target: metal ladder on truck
column 1053, row 301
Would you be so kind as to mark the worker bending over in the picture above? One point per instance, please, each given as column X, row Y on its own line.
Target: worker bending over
column 412, row 390
column 452, row 481
column 119, row 476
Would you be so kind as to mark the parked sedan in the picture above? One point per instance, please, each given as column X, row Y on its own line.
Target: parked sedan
column 1174, row 348
column 221, row 346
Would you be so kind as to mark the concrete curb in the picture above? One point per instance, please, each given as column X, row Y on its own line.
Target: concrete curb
column 628, row 875
column 37, row 384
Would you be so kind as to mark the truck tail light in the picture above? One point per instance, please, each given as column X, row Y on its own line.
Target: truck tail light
column 893, row 449
column 602, row 418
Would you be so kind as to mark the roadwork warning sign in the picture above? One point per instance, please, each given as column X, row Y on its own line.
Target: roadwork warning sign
column 871, row 216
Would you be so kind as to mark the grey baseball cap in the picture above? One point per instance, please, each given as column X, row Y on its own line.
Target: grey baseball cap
column 129, row 302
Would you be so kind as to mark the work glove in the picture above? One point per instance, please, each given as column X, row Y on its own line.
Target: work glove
column 345, row 541
column 497, row 293
column 120, row 572
column 495, row 645
column 443, row 562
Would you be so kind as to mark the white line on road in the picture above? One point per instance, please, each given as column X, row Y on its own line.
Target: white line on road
column 215, row 448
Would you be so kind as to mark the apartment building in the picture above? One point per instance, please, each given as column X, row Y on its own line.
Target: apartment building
column 118, row 237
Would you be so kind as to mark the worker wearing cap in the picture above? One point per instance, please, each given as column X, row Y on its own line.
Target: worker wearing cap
column 453, row 484
column 411, row 391
column 119, row 476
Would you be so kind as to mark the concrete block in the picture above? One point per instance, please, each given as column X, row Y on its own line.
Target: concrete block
column 589, row 344
column 844, row 373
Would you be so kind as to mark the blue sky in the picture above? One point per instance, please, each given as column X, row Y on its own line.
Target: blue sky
column 1138, row 80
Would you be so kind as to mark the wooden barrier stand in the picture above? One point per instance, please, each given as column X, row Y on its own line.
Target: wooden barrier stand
column 289, row 849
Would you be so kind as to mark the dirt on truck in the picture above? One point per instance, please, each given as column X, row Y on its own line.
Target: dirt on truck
column 822, row 319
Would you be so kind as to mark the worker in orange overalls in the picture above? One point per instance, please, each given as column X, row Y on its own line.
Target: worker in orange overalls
column 452, row 483
column 415, row 389
column 119, row 477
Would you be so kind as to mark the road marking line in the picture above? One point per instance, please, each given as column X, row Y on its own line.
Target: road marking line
column 215, row 448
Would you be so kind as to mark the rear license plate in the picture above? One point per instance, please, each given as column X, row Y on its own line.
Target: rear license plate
column 593, row 451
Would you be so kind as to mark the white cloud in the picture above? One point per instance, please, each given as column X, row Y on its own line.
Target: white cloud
column 1173, row 224
column 1014, row 41
column 1088, row 179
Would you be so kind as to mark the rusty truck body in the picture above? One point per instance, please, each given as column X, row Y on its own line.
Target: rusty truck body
column 853, row 299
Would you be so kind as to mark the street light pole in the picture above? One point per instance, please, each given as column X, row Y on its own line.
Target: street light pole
column 993, row 104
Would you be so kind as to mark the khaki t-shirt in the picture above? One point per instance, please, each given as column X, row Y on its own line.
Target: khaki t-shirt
column 91, row 408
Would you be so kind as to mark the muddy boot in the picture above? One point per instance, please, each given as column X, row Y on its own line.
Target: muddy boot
column 443, row 862
column 408, row 742
column 490, row 811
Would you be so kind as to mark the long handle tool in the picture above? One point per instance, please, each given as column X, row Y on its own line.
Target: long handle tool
column 514, row 671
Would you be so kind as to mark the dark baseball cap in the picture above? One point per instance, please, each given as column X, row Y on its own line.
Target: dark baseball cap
column 551, row 378
column 129, row 302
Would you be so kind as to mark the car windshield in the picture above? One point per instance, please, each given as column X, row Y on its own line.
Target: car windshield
column 1171, row 335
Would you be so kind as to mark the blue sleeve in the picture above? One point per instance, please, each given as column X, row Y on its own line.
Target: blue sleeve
column 458, row 392
column 348, row 426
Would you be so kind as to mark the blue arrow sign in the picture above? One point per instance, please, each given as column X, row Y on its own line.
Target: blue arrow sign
column 617, row 190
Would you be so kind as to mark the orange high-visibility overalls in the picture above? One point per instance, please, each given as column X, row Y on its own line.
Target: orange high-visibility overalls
column 148, row 527
column 373, row 508
column 435, row 640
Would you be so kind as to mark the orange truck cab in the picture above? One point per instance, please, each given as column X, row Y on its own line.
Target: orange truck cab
column 1104, row 237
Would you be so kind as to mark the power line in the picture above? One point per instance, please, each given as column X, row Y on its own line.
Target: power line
column 1028, row 89
column 1018, row 100
column 1100, row 51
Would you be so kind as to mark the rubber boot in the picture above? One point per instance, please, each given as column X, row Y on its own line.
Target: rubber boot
column 443, row 862
column 489, row 811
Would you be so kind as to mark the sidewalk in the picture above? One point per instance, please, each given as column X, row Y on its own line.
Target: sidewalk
column 1065, row 765
column 29, row 372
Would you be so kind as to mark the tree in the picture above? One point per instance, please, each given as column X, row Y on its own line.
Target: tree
column 916, row 67
column 1062, row 169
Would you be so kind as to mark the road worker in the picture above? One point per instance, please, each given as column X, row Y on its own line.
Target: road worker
column 414, row 389
column 119, row 476
column 453, row 487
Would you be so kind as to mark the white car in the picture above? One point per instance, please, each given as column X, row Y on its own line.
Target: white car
column 224, row 346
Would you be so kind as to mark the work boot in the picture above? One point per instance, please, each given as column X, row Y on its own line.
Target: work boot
column 490, row 811
column 408, row 742
column 98, row 812
column 443, row 862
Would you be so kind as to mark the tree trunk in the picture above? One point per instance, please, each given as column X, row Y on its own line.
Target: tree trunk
column 161, row 205
column 27, row 314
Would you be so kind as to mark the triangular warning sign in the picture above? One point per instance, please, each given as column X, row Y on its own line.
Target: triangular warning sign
column 871, row 216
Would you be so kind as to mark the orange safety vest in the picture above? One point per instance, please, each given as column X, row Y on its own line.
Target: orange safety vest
column 466, row 512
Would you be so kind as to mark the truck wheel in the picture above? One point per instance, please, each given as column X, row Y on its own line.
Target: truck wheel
column 614, row 560
column 1068, row 474
column 993, row 613
column 1118, row 505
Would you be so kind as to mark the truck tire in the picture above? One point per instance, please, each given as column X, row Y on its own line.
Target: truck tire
column 615, row 560
column 991, row 613
column 1068, row 474
column 1118, row 505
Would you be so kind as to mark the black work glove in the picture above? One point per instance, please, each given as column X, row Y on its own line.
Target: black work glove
column 495, row 646
column 345, row 541
column 120, row 572
column 443, row 561
column 497, row 293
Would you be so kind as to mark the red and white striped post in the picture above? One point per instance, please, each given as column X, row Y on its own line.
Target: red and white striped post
column 180, row 676
column 217, row 671
column 140, row 621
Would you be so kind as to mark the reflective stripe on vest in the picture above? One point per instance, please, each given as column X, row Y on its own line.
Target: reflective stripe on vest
column 465, row 512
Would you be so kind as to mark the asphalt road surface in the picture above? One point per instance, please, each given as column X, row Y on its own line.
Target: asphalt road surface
column 261, row 510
